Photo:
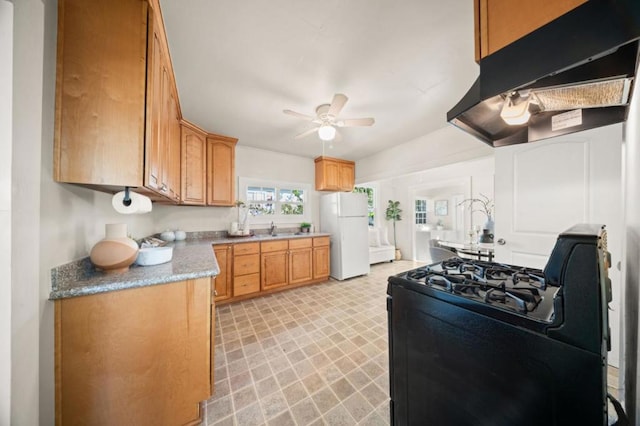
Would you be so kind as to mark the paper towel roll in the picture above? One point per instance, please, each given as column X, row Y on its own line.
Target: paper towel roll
column 139, row 203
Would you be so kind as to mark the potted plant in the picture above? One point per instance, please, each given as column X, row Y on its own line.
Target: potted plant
column 305, row 226
column 393, row 213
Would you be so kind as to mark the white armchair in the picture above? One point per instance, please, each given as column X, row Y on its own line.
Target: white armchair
column 379, row 248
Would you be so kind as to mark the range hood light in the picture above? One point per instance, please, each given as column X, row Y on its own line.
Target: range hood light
column 515, row 112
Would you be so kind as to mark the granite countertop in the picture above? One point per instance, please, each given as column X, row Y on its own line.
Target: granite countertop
column 192, row 258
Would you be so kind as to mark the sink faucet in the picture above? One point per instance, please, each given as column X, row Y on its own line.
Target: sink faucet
column 272, row 229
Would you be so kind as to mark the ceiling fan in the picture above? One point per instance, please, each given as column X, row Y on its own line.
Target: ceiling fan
column 327, row 119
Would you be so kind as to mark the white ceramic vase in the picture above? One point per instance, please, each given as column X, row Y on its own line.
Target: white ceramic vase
column 115, row 252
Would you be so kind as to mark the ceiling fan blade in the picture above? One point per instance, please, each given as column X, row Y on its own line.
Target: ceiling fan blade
column 337, row 104
column 298, row 115
column 306, row 133
column 355, row 122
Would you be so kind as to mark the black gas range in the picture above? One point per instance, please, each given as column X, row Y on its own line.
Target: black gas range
column 486, row 343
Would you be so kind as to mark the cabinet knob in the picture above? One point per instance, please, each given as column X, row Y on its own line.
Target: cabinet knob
column 163, row 188
column 215, row 292
column 501, row 241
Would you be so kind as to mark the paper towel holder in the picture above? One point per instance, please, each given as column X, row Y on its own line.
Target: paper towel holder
column 127, row 199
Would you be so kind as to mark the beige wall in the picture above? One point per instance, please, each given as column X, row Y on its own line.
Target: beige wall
column 250, row 163
column 6, row 82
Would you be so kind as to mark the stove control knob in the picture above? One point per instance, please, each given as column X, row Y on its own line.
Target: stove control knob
column 501, row 241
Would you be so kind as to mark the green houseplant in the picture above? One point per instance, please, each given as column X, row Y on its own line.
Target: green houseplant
column 393, row 213
column 305, row 226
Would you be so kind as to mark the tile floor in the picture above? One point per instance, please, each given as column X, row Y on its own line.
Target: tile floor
column 307, row 356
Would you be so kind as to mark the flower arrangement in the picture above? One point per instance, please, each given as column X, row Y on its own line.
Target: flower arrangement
column 486, row 205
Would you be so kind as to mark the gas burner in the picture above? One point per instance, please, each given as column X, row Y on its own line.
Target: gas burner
column 509, row 287
column 525, row 299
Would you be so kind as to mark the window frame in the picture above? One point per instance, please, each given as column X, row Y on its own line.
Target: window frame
column 277, row 217
column 416, row 211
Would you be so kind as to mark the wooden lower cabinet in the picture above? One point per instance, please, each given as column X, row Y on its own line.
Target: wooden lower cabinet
column 137, row 356
column 256, row 268
column 246, row 268
column 222, row 282
column 274, row 260
column 321, row 258
column 300, row 260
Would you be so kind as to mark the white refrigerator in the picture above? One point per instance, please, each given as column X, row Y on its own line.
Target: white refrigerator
column 344, row 216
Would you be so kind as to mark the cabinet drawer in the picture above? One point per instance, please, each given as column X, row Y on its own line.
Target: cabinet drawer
column 320, row 241
column 270, row 246
column 297, row 243
column 246, row 248
column 246, row 284
column 246, row 264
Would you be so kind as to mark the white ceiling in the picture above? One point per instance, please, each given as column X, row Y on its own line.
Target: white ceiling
column 239, row 63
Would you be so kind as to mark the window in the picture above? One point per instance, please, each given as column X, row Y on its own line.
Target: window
column 421, row 212
column 370, row 202
column 275, row 201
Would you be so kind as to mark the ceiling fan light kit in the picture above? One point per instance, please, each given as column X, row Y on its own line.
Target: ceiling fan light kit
column 326, row 132
column 327, row 119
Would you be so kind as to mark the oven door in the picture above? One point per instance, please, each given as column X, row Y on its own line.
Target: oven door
column 452, row 366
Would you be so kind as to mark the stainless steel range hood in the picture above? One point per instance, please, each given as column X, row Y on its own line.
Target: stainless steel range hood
column 575, row 73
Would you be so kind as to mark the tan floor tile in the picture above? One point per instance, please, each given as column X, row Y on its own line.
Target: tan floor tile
column 358, row 378
column 264, row 346
column 267, row 386
column 250, row 416
column 284, row 419
column 374, row 394
column 325, row 399
column 339, row 416
column 273, row 404
column 357, row 406
column 294, row 392
column 286, row 377
column 313, row 383
column 342, row 388
column 219, row 409
column 239, row 381
column 305, row 411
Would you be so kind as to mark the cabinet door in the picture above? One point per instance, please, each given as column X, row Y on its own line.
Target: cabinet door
column 347, row 177
column 194, row 167
column 100, row 92
column 274, row 269
column 121, row 370
column 223, row 280
column 175, row 144
column 220, row 172
column 501, row 22
column 300, row 265
column 155, row 78
column 320, row 262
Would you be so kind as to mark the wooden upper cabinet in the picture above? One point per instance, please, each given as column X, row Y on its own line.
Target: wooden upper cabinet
column 334, row 174
column 499, row 23
column 221, row 171
column 100, row 92
column 116, row 101
column 194, row 165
